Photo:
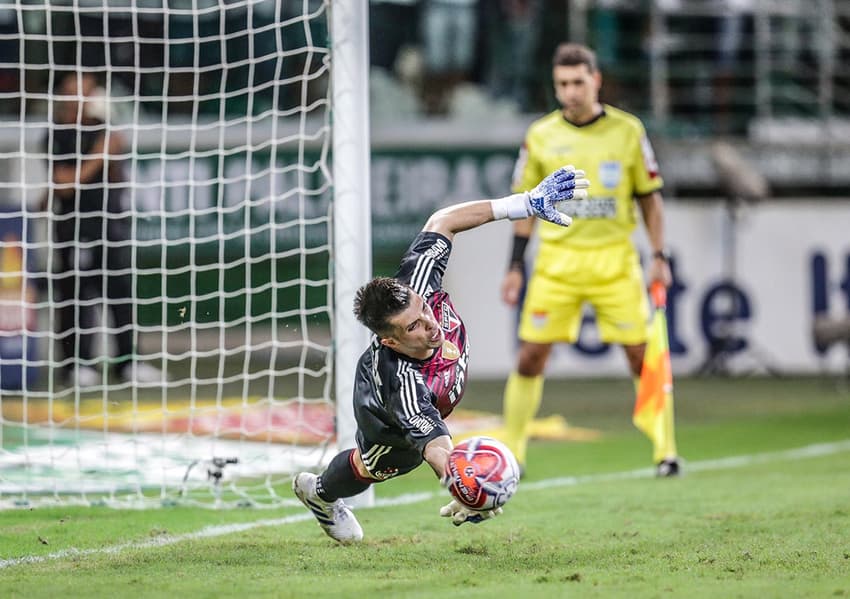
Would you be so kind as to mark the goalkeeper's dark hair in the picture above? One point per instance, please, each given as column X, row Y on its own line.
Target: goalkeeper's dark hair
column 379, row 300
column 570, row 55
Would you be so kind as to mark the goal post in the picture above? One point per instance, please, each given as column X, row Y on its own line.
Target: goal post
column 247, row 232
column 352, row 205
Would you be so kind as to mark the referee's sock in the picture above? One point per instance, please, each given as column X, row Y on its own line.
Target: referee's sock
column 523, row 395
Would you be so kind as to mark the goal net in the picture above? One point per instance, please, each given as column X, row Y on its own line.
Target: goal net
column 166, row 296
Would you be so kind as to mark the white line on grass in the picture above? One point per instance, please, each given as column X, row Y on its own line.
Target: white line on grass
column 809, row 451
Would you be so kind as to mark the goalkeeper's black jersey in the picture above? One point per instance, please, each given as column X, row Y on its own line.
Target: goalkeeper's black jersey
column 400, row 401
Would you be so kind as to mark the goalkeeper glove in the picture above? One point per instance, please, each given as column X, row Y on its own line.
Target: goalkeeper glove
column 460, row 514
column 566, row 183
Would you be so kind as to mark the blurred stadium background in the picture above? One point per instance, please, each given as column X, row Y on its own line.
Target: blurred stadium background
column 762, row 265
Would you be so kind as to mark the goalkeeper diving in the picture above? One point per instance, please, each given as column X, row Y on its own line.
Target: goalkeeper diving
column 414, row 371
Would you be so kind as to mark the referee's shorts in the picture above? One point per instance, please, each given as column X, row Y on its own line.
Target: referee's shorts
column 610, row 279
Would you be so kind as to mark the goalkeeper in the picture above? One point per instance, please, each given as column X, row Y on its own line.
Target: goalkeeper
column 414, row 372
column 594, row 261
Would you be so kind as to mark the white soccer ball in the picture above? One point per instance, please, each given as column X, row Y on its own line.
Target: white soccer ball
column 482, row 473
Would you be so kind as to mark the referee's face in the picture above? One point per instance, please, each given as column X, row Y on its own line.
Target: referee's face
column 577, row 90
column 416, row 331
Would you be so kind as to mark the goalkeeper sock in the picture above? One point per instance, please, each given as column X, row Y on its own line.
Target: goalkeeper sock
column 339, row 479
column 523, row 395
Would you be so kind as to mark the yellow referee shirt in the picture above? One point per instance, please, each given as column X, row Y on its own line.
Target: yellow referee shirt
column 614, row 151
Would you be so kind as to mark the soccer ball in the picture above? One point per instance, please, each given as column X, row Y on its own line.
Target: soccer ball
column 482, row 473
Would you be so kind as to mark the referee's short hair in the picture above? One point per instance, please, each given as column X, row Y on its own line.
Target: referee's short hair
column 569, row 55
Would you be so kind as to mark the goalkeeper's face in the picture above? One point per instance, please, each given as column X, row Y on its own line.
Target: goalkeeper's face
column 416, row 332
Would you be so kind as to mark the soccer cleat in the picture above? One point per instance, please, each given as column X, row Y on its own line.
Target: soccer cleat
column 141, row 373
column 667, row 468
column 335, row 518
column 83, row 377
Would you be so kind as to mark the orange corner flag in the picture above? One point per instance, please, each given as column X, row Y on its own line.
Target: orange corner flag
column 653, row 413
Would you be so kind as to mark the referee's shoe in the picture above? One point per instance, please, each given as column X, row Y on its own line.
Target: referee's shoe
column 671, row 467
column 335, row 518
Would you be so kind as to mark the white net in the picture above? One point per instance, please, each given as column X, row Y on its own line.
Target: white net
column 164, row 266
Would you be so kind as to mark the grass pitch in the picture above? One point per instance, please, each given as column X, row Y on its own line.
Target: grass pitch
column 754, row 516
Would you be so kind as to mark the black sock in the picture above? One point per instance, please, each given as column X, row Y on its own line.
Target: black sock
column 339, row 479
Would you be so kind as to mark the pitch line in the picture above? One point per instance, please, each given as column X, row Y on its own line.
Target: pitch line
column 740, row 461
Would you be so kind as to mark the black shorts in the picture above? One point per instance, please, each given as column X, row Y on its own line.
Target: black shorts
column 385, row 461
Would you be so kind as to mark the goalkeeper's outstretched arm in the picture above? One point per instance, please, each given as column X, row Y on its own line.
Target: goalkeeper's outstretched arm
column 566, row 183
column 437, row 454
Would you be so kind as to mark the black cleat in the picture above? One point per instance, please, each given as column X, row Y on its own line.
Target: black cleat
column 668, row 468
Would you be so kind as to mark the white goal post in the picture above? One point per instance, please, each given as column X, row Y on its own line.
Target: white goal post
column 243, row 142
column 352, row 223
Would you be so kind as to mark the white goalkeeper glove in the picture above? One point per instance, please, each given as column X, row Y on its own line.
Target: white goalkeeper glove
column 564, row 184
column 460, row 514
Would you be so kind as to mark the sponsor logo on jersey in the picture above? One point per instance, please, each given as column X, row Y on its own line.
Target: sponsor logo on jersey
column 448, row 320
column 450, row 350
column 438, row 250
column 456, row 391
column 591, row 208
column 610, row 173
column 423, row 423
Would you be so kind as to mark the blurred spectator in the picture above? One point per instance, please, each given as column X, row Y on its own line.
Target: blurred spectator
column 90, row 233
column 512, row 33
column 449, row 31
column 393, row 24
column 730, row 31
column 10, row 85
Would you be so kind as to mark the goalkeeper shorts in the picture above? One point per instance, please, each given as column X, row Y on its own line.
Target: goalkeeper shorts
column 564, row 279
column 385, row 461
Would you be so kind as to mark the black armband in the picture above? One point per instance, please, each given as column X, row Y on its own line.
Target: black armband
column 518, row 253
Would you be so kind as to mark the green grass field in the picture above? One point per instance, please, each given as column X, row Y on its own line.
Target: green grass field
column 762, row 512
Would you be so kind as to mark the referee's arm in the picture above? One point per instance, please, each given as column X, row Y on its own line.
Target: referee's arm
column 652, row 209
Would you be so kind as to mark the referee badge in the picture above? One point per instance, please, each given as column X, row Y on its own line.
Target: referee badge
column 610, row 173
column 539, row 319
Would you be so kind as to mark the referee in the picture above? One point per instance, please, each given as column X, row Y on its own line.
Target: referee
column 593, row 261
